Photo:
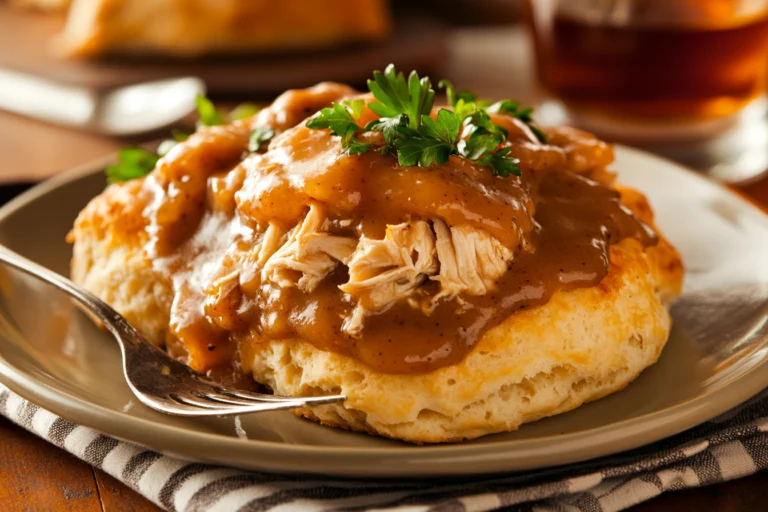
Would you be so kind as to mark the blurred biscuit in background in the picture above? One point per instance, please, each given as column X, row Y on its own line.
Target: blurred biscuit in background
column 192, row 28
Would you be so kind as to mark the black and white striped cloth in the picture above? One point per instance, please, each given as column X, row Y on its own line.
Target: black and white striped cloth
column 730, row 446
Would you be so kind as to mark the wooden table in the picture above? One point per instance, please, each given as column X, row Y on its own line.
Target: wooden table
column 36, row 476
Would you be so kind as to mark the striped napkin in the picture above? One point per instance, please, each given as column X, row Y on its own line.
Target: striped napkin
column 730, row 446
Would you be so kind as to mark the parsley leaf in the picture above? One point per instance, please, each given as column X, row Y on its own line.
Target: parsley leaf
column 508, row 107
column 539, row 134
column 354, row 147
column 179, row 135
column 259, row 136
column 501, row 164
column 478, row 145
column 209, row 115
column 335, row 118
column 206, row 110
column 396, row 96
column 480, row 122
column 512, row 108
column 464, row 103
column 356, row 106
column 422, row 151
column 404, row 107
column 339, row 121
column 445, row 129
column 133, row 163
column 455, row 97
column 391, row 89
column 390, row 127
column 242, row 111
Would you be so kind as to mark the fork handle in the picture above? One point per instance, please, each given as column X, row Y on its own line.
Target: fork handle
column 98, row 307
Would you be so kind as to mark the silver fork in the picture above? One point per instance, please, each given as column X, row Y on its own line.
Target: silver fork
column 158, row 380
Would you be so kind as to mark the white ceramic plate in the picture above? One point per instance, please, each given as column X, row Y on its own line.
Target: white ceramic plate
column 715, row 358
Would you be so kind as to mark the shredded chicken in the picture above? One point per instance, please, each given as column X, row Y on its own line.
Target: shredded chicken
column 384, row 271
column 471, row 260
column 269, row 244
column 463, row 259
column 308, row 255
column 255, row 257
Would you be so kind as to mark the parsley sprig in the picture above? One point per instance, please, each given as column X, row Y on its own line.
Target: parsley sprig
column 259, row 136
column 404, row 107
column 341, row 122
column 411, row 99
column 132, row 163
column 137, row 162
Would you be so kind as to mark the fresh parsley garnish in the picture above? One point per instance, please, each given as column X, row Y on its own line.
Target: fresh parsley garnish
column 179, row 135
column 434, row 143
column 404, row 107
column 355, row 147
column 207, row 113
column 445, row 128
column 454, row 97
column 243, row 111
column 422, row 151
column 501, row 163
column 137, row 162
column 340, row 122
column 356, row 106
column 396, row 96
column 464, row 103
column 335, row 118
column 512, row 108
column 482, row 137
column 391, row 128
column 259, row 136
column 133, row 163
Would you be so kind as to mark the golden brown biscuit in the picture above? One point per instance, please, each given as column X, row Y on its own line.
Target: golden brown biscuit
column 196, row 27
column 580, row 346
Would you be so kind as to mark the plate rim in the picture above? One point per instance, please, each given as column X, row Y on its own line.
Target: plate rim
column 386, row 461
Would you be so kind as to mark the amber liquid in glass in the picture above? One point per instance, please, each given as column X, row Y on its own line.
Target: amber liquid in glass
column 654, row 73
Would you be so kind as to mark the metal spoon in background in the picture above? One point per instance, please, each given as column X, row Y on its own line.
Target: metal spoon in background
column 127, row 110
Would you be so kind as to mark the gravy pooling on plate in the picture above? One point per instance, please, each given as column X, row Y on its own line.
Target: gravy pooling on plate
column 210, row 208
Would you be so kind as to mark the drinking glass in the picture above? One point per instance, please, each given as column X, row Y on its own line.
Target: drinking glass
column 686, row 78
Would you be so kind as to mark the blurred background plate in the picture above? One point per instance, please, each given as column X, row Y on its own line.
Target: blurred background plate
column 415, row 43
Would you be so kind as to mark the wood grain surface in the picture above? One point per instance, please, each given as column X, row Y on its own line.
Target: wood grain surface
column 36, row 476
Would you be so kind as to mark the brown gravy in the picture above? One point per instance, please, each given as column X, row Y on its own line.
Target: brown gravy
column 218, row 216
column 577, row 218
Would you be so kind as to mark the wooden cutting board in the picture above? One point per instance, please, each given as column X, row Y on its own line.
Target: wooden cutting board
column 26, row 40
